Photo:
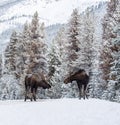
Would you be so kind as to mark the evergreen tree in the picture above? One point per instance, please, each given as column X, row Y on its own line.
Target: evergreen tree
column 86, row 41
column 114, row 75
column 26, row 53
column 73, row 37
column 11, row 53
column 38, row 47
column 111, row 50
column 0, row 65
column 58, row 63
column 72, row 50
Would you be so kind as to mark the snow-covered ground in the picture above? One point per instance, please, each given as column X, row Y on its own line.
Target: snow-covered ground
column 60, row 112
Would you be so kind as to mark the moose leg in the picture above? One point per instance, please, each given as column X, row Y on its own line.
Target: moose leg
column 25, row 95
column 80, row 89
column 84, row 91
column 34, row 93
column 26, row 92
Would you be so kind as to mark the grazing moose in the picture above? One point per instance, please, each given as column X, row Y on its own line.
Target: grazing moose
column 32, row 82
column 82, row 80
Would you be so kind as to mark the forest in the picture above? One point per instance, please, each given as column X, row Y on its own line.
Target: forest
column 85, row 42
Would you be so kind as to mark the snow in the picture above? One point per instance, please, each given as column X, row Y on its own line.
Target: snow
column 60, row 112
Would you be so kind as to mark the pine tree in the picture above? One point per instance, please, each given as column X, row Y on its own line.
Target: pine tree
column 86, row 41
column 34, row 27
column 74, row 33
column 110, row 52
column 26, row 53
column 114, row 75
column 58, row 63
column 73, row 37
column 38, row 47
column 0, row 65
column 10, row 53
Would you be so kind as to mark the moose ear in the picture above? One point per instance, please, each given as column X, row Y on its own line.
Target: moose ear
column 42, row 76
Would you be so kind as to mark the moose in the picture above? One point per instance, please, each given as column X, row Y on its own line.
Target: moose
column 32, row 82
column 82, row 80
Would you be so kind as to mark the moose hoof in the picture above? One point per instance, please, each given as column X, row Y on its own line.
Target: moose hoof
column 79, row 98
column 25, row 99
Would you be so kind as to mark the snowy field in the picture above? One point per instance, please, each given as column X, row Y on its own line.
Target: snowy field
column 60, row 112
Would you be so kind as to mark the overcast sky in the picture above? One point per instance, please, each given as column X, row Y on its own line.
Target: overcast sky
column 83, row 1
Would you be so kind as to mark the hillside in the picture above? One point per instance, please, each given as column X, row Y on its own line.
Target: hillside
column 14, row 13
column 60, row 112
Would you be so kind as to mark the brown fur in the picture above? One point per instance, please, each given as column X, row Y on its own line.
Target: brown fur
column 32, row 82
column 82, row 80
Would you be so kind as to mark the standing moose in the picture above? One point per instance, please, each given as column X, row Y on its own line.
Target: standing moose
column 82, row 80
column 32, row 82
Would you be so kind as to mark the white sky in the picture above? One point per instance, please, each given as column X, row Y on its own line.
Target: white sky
column 83, row 1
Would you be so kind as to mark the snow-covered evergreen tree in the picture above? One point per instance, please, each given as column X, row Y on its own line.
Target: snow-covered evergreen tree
column 58, row 64
column 0, row 65
column 38, row 48
column 111, row 50
column 115, row 47
column 73, row 37
column 26, row 53
column 86, row 41
column 10, row 53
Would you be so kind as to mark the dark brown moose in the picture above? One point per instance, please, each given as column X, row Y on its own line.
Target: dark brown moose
column 32, row 82
column 82, row 80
